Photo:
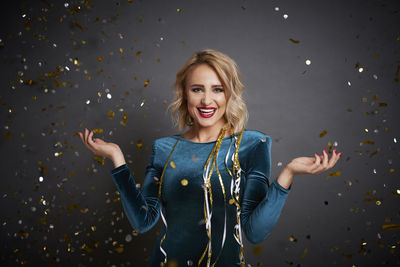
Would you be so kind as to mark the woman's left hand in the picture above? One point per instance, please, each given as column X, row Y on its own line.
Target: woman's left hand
column 315, row 165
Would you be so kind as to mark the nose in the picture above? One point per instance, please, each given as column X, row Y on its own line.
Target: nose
column 206, row 99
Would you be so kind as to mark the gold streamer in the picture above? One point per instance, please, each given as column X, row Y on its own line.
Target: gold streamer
column 207, row 188
column 159, row 196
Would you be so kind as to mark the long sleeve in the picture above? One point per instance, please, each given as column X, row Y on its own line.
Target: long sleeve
column 142, row 207
column 262, row 202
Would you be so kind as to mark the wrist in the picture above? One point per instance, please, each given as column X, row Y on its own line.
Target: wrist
column 118, row 159
column 285, row 179
column 288, row 171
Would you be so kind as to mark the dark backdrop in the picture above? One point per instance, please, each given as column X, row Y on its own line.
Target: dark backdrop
column 110, row 66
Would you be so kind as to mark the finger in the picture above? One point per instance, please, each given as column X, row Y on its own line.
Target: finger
column 317, row 164
column 338, row 156
column 333, row 159
column 317, row 159
column 325, row 159
column 86, row 135
column 90, row 139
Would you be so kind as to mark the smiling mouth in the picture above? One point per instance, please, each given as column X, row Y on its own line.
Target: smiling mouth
column 206, row 112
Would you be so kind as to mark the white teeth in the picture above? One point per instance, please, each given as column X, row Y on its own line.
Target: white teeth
column 208, row 111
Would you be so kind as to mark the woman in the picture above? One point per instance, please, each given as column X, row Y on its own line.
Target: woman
column 213, row 179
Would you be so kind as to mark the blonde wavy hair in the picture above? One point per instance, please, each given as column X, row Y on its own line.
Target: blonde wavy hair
column 228, row 72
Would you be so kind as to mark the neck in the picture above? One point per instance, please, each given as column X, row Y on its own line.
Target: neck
column 205, row 134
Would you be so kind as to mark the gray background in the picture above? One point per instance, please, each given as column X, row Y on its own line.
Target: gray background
column 74, row 218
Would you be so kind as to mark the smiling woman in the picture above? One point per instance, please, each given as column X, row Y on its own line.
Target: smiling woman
column 206, row 212
column 226, row 76
column 206, row 101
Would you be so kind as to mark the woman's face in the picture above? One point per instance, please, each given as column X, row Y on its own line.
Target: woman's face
column 205, row 95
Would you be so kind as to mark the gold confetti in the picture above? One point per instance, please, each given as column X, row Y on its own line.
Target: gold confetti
column 304, row 253
column 43, row 168
column 184, row 182
column 396, row 78
column 23, row 233
column 294, row 41
column 73, row 206
column 139, row 144
column 323, row 133
column 231, row 201
column 172, row 263
column 121, row 50
column 110, row 113
column 292, row 238
column 7, row 136
column 85, row 210
column 99, row 159
column 99, row 130
column 99, row 59
column 124, row 119
column 383, row 104
column 364, row 99
column 369, row 199
column 369, row 142
column 172, row 164
column 390, row 227
column 138, row 53
column 179, row 10
column 120, row 249
column 257, row 250
column 87, row 248
column 391, row 170
column 43, row 220
column 78, row 25
column 146, row 83
column 378, row 203
column 332, row 174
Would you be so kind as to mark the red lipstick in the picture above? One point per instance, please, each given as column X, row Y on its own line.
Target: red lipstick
column 206, row 112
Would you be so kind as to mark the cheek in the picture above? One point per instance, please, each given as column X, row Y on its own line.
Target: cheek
column 222, row 101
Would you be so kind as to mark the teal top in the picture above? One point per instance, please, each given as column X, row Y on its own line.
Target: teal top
column 186, row 238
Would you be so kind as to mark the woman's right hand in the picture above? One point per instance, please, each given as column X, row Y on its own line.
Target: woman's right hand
column 99, row 147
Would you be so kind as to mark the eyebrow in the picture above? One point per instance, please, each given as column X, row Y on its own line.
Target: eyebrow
column 200, row 85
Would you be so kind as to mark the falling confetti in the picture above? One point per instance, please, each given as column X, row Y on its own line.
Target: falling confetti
column 172, row 164
column 323, row 133
column 257, row 250
column 332, row 174
column 184, row 182
column 139, row 144
column 390, row 227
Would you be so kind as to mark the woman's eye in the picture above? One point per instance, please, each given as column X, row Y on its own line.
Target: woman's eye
column 219, row 90
column 196, row 90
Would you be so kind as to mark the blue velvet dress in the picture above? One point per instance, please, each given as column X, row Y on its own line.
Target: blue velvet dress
column 261, row 202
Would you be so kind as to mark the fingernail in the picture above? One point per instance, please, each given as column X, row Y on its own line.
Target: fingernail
column 325, row 150
column 335, row 151
column 340, row 154
column 316, row 153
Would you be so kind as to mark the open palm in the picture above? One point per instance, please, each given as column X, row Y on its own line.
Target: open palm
column 313, row 165
column 98, row 146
